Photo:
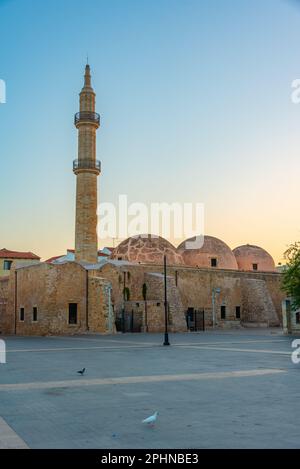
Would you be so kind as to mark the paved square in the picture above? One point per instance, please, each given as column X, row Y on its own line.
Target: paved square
column 235, row 389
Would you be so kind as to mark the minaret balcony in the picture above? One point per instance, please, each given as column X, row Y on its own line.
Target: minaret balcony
column 87, row 117
column 89, row 166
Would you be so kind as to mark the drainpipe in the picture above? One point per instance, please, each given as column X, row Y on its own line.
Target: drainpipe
column 124, row 300
column 16, row 299
column 110, row 311
column 87, row 301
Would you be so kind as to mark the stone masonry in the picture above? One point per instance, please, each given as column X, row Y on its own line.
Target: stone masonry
column 86, row 171
column 51, row 289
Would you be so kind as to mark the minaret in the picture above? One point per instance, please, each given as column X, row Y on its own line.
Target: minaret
column 87, row 169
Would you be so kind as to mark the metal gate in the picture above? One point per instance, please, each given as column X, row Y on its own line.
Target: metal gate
column 129, row 322
column 195, row 319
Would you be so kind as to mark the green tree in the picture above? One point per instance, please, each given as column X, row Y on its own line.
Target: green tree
column 291, row 275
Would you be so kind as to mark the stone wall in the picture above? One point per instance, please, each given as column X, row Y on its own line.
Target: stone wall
column 273, row 283
column 194, row 287
column 155, row 292
column 15, row 263
column 257, row 305
column 129, row 275
column 50, row 289
column 146, row 316
column 101, row 316
column 135, row 276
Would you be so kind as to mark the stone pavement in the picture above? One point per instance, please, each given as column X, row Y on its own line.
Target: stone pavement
column 9, row 439
column 225, row 389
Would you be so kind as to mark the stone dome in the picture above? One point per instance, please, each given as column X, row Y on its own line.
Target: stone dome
column 147, row 249
column 213, row 254
column 250, row 257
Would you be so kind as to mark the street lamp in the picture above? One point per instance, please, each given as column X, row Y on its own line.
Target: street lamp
column 166, row 341
column 124, row 299
column 214, row 291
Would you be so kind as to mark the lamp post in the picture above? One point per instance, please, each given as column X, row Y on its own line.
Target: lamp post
column 166, row 341
column 124, row 299
column 214, row 291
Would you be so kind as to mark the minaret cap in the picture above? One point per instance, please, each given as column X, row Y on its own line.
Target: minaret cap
column 87, row 77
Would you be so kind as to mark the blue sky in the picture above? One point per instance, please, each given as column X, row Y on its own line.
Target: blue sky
column 195, row 103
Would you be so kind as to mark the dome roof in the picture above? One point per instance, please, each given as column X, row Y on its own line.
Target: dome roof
column 251, row 257
column 213, row 253
column 148, row 249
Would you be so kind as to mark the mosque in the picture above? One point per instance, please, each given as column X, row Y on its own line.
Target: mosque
column 122, row 289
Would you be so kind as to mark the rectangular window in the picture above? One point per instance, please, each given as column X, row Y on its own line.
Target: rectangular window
column 7, row 265
column 72, row 313
column 298, row 318
column 34, row 314
column 223, row 312
column 238, row 312
column 22, row 314
column 213, row 262
column 255, row 266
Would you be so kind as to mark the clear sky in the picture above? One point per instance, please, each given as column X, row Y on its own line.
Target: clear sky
column 195, row 103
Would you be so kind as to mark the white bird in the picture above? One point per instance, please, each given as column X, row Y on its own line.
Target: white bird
column 151, row 420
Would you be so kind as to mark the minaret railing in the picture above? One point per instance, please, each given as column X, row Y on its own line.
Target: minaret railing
column 87, row 116
column 87, row 165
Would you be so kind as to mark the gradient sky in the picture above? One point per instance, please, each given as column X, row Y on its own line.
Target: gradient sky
column 195, row 103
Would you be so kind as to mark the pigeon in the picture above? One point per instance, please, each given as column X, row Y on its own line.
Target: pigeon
column 151, row 420
column 81, row 372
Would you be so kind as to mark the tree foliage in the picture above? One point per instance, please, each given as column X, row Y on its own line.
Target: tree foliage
column 291, row 275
